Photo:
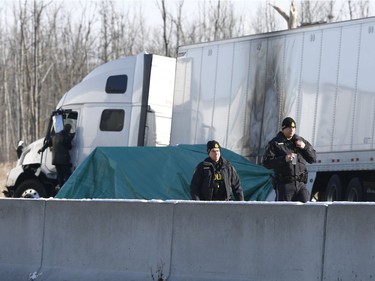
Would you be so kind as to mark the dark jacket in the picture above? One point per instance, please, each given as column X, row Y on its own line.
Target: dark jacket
column 202, row 183
column 279, row 147
column 61, row 144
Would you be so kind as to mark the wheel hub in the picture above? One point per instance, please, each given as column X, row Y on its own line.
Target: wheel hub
column 30, row 193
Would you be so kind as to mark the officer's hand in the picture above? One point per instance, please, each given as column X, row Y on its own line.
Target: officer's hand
column 289, row 157
column 39, row 151
column 300, row 144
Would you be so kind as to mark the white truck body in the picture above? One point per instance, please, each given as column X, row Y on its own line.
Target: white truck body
column 238, row 91
column 125, row 102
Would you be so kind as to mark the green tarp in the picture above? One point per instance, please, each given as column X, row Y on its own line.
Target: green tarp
column 154, row 173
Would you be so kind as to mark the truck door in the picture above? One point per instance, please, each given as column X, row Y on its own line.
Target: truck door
column 103, row 125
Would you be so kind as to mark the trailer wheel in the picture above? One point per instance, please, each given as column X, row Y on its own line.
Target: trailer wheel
column 333, row 189
column 30, row 189
column 354, row 191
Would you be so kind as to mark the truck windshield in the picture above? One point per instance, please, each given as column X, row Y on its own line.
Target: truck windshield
column 63, row 117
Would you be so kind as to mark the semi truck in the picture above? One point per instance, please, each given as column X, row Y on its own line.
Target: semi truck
column 125, row 102
column 237, row 91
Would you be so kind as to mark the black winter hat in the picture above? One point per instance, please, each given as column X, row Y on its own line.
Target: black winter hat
column 288, row 122
column 212, row 144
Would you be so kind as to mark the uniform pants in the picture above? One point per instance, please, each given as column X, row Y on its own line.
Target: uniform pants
column 293, row 191
column 63, row 173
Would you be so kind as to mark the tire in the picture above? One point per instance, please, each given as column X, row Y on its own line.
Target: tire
column 30, row 189
column 354, row 192
column 333, row 190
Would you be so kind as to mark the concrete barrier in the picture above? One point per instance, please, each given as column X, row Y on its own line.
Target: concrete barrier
column 247, row 241
column 184, row 240
column 21, row 238
column 350, row 242
column 106, row 240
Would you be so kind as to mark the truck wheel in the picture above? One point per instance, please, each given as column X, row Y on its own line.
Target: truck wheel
column 30, row 189
column 333, row 189
column 354, row 191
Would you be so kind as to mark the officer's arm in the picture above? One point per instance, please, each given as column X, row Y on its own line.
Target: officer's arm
column 195, row 184
column 47, row 143
column 236, row 185
column 271, row 160
column 308, row 153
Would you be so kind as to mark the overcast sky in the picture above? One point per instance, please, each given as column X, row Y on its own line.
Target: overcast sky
column 150, row 6
column 152, row 14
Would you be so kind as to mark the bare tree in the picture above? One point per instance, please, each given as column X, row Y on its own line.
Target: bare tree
column 315, row 12
column 123, row 32
column 291, row 17
column 177, row 21
column 264, row 20
column 214, row 20
column 45, row 50
column 358, row 9
column 32, row 55
column 165, row 26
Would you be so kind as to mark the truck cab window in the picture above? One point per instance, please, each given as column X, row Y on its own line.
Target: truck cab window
column 71, row 118
column 112, row 120
column 116, row 84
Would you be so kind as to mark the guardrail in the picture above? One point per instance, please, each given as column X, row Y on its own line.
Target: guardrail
column 51, row 239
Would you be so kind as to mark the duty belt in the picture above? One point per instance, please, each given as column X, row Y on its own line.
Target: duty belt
column 301, row 178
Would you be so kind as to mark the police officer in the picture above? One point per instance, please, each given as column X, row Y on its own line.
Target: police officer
column 61, row 144
column 215, row 178
column 287, row 154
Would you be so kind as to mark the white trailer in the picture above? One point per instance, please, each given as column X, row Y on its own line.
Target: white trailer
column 125, row 102
column 237, row 91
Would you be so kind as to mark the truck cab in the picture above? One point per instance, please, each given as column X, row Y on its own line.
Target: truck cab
column 125, row 102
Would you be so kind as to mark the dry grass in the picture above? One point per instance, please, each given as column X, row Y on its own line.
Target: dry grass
column 4, row 169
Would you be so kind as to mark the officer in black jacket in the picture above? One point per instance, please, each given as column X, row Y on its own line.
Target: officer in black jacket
column 61, row 144
column 287, row 154
column 215, row 178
